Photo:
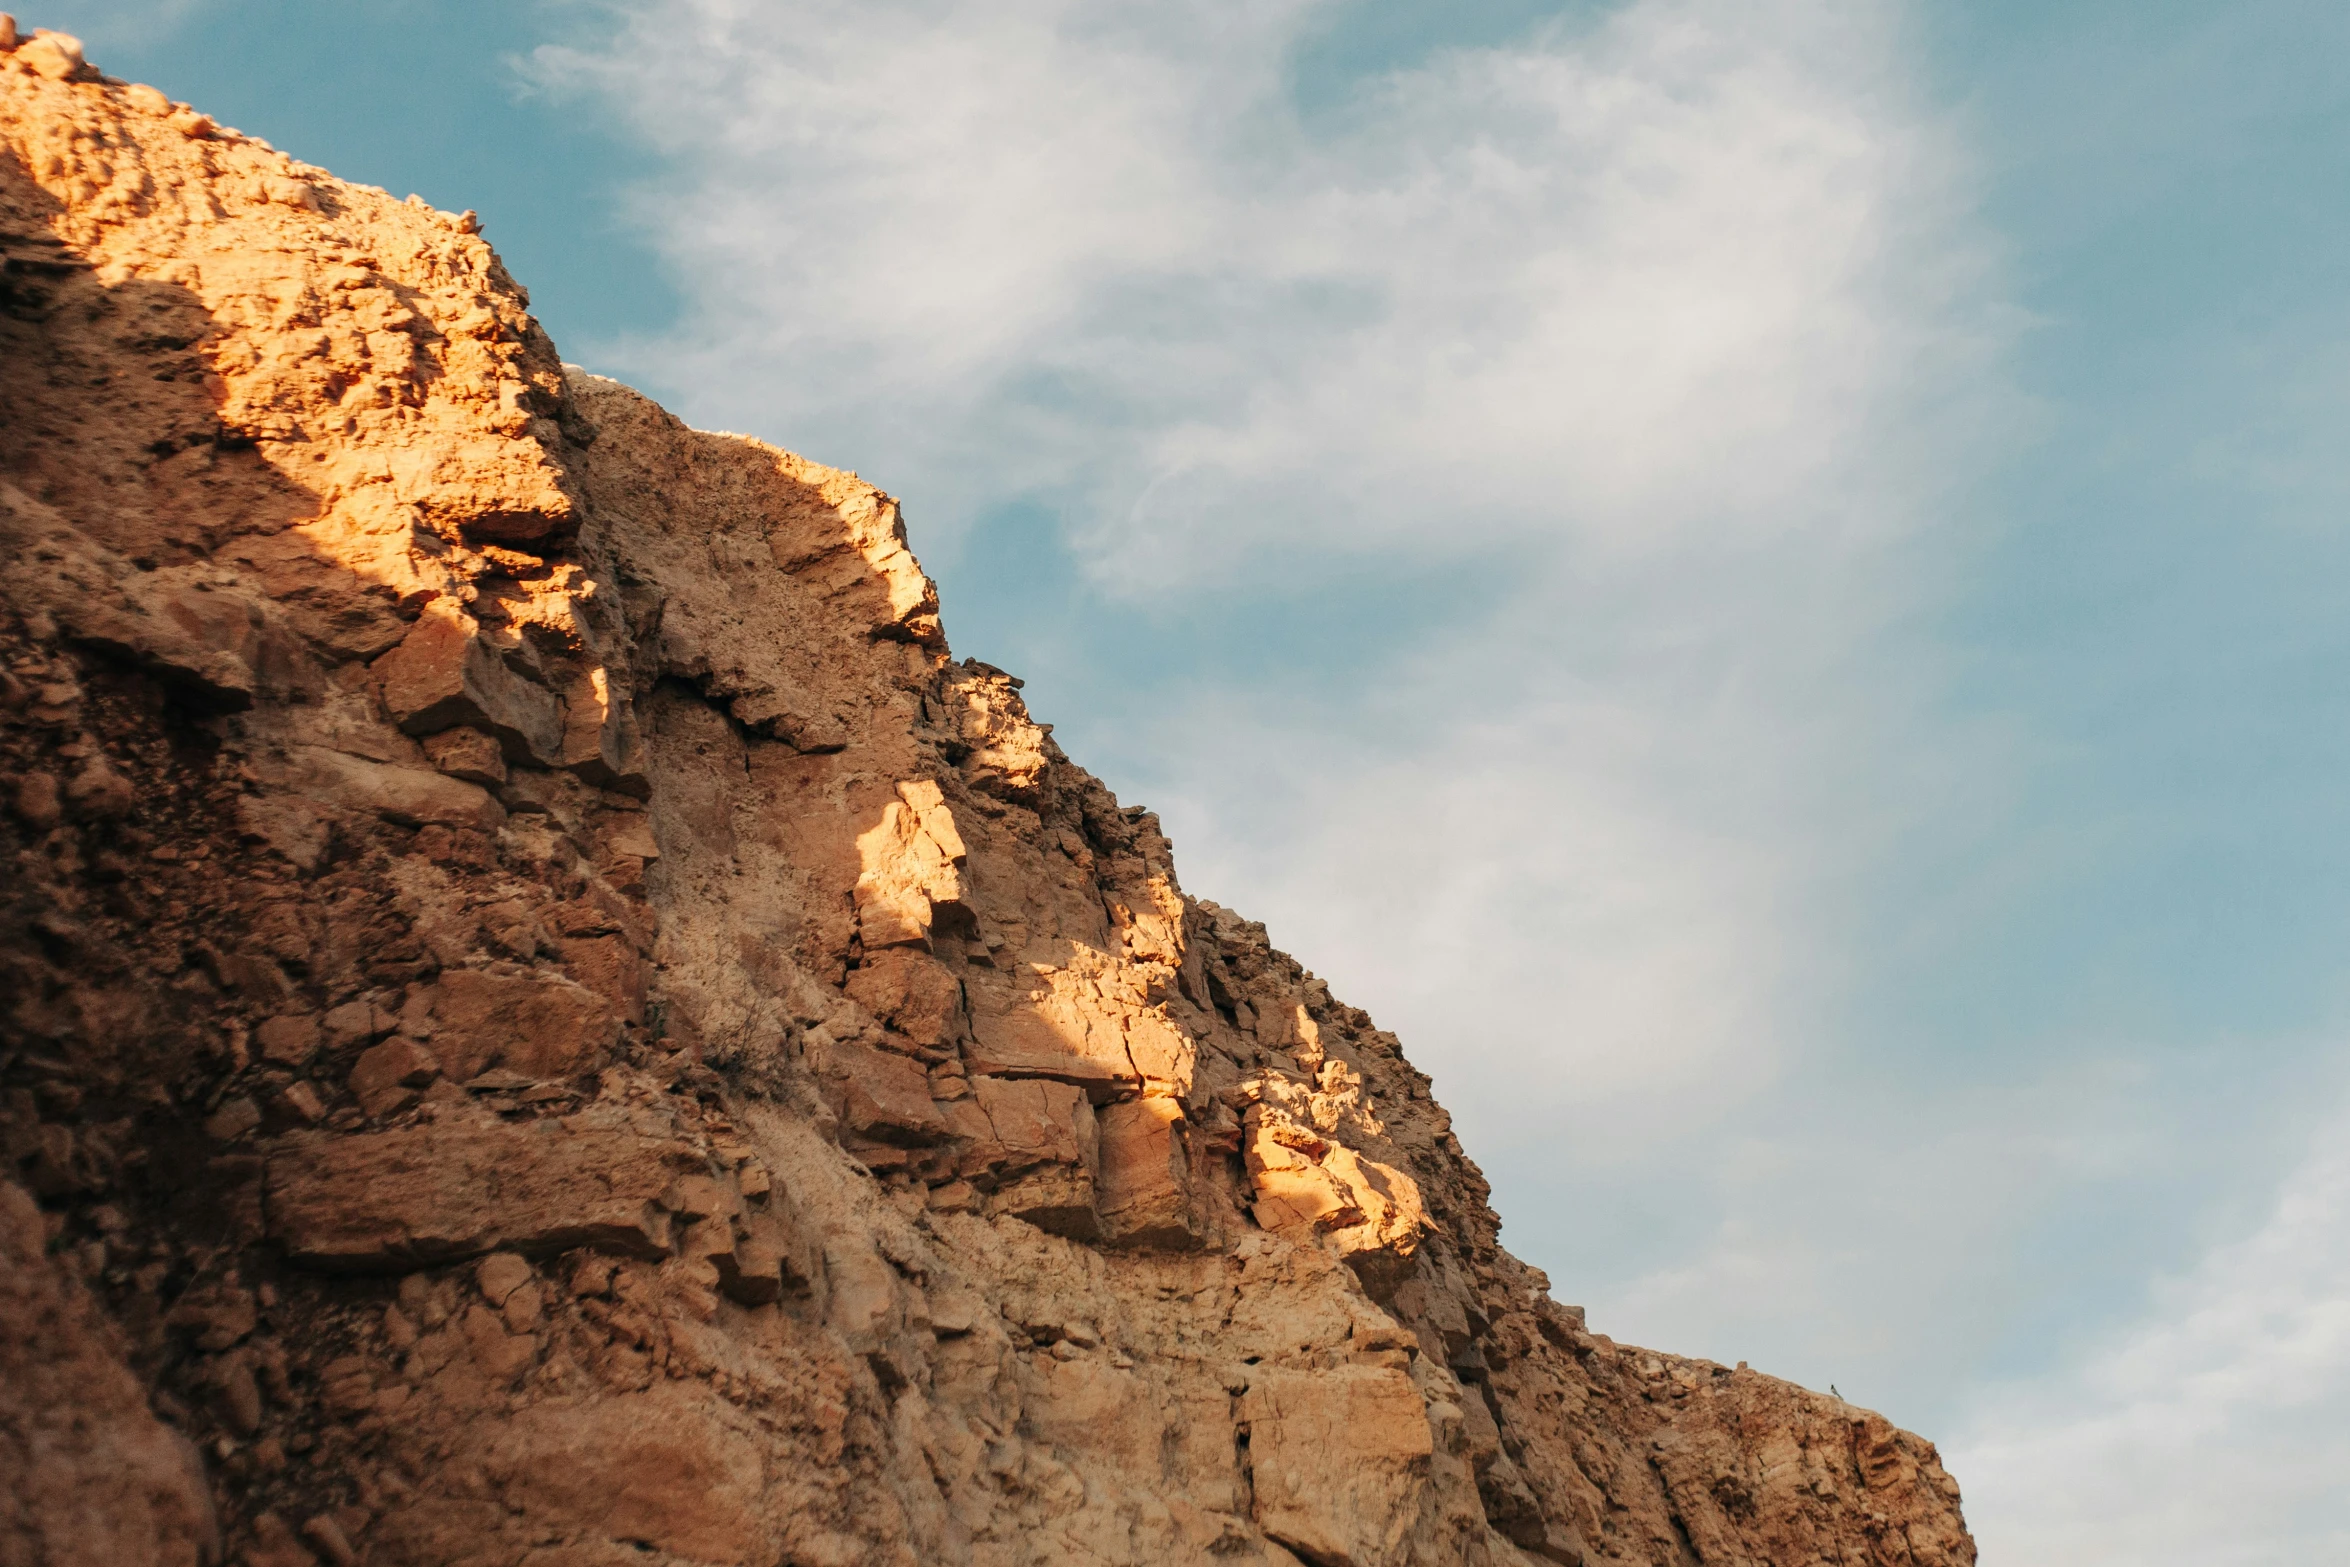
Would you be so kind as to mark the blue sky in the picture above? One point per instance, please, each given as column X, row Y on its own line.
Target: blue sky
column 1762, row 581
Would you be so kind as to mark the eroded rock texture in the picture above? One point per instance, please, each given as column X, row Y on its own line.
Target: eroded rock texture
column 545, row 1019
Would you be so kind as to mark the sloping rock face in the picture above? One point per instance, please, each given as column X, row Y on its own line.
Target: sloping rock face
column 545, row 1019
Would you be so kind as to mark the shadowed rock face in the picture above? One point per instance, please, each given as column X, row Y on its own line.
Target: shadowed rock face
column 544, row 1018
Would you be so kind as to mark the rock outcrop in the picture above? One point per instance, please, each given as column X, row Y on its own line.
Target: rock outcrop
column 545, row 1019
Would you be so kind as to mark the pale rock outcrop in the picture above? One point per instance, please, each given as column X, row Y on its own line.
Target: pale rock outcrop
column 1338, row 1460
column 544, row 1018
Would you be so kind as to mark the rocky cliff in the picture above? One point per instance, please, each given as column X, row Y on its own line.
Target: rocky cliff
column 545, row 1019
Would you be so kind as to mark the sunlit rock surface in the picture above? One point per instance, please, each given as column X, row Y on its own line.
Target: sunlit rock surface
column 545, row 1019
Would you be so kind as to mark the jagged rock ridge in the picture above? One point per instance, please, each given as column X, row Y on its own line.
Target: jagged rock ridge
column 545, row 1019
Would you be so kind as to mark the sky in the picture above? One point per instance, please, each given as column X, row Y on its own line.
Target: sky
column 1760, row 579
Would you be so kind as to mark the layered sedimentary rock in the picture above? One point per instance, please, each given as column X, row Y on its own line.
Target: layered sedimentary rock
column 545, row 1019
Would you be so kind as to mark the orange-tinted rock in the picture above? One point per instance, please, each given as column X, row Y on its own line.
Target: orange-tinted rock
column 288, row 1040
column 387, row 1076
column 1308, row 1184
column 909, row 871
column 409, row 795
column 440, row 1192
column 98, row 793
column 1045, row 1033
column 533, row 1023
column 202, row 641
column 468, row 754
column 1015, row 1125
column 1035, row 1145
column 609, row 966
column 313, row 544
column 651, row 1470
column 912, row 992
column 37, row 802
column 768, row 1259
column 882, row 1095
column 355, row 1023
column 444, row 674
column 1339, row 1460
column 1145, row 1193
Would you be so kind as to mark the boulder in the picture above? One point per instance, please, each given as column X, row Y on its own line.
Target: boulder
column 1144, row 1189
column 1035, row 1146
column 440, row 1192
column 657, row 1471
column 443, row 674
column 1015, row 1125
column 203, row 638
column 600, row 740
column 387, row 1076
column 1340, row 1460
column 468, row 754
column 1056, row 1198
column 356, row 1023
column 540, row 1025
column 408, row 795
column 910, row 877
column 879, row 1094
column 1048, row 1033
column 288, row 1039
column 1308, row 1185
column 771, row 1256
column 57, row 56
column 912, row 992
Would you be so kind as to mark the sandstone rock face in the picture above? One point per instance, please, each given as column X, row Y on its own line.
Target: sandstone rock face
column 93, row 1476
column 545, row 1018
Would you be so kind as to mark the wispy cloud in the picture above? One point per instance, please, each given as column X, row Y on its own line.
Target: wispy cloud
column 1664, row 334
column 2208, row 1433
column 117, row 24
column 1629, row 288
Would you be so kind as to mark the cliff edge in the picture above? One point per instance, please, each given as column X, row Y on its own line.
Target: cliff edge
column 545, row 1019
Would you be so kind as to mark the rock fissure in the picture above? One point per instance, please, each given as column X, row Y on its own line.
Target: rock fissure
column 544, row 1017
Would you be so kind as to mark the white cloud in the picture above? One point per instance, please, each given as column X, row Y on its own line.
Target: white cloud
column 1674, row 329
column 2209, row 1434
column 1536, row 887
column 1616, row 291
column 1639, row 320
column 1670, row 329
column 117, row 24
